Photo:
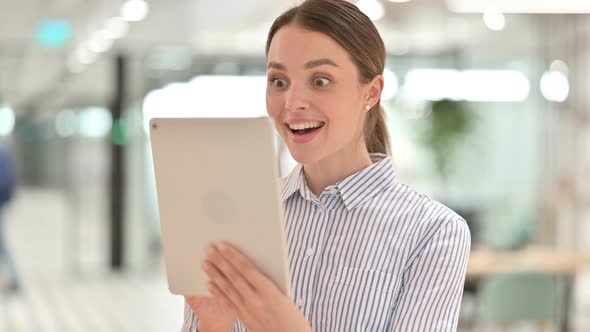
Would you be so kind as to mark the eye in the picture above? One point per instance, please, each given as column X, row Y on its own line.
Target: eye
column 321, row 81
column 279, row 83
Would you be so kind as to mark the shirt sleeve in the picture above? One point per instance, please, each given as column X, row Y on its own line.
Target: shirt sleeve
column 433, row 282
column 191, row 321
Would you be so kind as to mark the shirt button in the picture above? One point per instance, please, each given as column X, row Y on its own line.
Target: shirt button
column 321, row 209
column 310, row 252
column 300, row 301
column 334, row 191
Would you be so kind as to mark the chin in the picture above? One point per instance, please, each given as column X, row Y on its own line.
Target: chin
column 305, row 157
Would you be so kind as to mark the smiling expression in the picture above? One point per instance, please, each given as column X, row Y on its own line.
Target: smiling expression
column 313, row 82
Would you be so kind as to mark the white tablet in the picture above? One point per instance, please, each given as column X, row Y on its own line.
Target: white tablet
column 217, row 180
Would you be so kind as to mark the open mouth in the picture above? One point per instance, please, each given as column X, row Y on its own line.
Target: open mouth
column 306, row 130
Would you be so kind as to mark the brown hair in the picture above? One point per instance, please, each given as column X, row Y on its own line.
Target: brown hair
column 354, row 31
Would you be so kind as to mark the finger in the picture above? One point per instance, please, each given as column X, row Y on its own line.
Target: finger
column 222, row 283
column 193, row 301
column 220, row 296
column 247, row 269
column 232, row 273
column 243, row 313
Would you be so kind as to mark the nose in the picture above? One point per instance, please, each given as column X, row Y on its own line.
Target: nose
column 296, row 98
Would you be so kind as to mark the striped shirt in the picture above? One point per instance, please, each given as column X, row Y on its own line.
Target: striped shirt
column 371, row 254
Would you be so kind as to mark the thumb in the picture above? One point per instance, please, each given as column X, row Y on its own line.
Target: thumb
column 194, row 301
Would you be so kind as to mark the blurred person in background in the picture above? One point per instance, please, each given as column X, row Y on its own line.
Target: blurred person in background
column 367, row 253
column 7, row 183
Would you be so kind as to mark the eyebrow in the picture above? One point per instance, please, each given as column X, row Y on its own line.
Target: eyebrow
column 309, row 65
column 320, row 62
column 276, row 65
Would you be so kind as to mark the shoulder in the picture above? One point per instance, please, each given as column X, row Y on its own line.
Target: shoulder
column 425, row 216
column 432, row 229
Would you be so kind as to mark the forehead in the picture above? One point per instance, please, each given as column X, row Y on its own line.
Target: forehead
column 294, row 45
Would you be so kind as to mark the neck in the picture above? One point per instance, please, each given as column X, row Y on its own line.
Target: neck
column 335, row 167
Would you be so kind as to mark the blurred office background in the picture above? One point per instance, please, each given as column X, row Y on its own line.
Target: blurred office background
column 487, row 104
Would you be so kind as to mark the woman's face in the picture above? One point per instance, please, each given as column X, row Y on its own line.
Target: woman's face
column 312, row 82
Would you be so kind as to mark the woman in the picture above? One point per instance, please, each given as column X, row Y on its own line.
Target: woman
column 366, row 252
column 7, row 184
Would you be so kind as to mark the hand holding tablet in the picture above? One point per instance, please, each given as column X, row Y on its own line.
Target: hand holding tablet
column 217, row 181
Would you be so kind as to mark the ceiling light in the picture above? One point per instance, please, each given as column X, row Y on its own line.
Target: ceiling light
column 85, row 56
column 494, row 20
column 95, row 122
column 134, row 10
column 521, row 6
column 116, row 28
column 494, row 85
column 100, row 42
column 470, row 85
column 555, row 86
column 372, row 8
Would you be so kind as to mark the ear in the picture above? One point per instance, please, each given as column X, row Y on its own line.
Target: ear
column 373, row 91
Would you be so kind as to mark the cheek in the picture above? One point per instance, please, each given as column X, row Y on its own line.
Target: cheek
column 349, row 112
column 274, row 106
column 346, row 121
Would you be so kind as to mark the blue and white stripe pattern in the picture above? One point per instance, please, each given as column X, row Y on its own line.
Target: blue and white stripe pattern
column 371, row 254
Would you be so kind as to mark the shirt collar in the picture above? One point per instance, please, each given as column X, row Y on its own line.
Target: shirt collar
column 290, row 183
column 355, row 189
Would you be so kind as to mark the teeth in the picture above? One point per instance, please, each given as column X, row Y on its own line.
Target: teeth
column 301, row 126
